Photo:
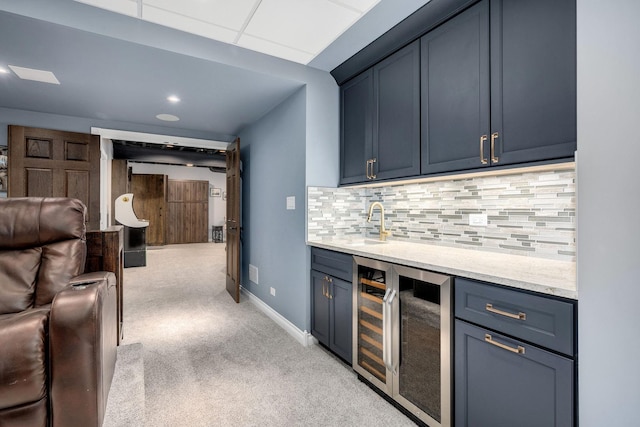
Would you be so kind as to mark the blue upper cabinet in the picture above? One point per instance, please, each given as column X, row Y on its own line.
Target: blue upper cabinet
column 380, row 120
column 499, row 86
column 396, row 118
column 533, row 80
column 356, row 127
column 455, row 92
column 492, row 85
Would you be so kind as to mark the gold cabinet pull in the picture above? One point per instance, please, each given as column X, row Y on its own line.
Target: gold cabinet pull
column 494, row 136
column 519, row 316
column 519, row 350
column 368, row 165
column 324, row 289
column 483, row 139
column 373, row 175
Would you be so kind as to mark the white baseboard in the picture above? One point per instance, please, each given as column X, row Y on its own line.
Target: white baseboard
column 303, row 337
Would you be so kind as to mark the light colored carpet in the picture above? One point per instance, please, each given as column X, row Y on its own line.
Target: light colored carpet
column 211, row 362
column 125, row 406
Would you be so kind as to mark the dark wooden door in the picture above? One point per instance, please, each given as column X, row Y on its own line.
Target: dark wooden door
column 150, row 203
column 233, row 220
column 119, row 183
column 533, row 79
column 356, row 127
column 396, row 118
column 498, row 387
column 320, row 307
column 52, row 163
column 455, row 93
column 188, row 219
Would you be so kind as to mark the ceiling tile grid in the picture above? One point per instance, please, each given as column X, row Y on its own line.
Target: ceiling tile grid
column 296, row 30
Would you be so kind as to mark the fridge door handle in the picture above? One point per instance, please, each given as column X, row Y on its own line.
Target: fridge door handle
column 389, row 332
column 385, row 320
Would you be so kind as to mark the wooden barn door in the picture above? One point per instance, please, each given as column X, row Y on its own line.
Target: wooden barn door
column 188, row 203
column 52, row 163
column 150, row 203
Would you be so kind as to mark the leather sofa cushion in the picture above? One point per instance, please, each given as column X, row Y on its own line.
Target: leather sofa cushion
column 36, row 221
column 18, row 271
column 23, row 360
column 61, row 262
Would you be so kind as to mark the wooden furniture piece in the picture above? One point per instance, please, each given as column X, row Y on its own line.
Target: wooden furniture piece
column 105, row 251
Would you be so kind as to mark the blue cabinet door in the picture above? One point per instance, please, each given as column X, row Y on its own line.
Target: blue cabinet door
column 533, row 79
column 356, row 127
column 455, row 93
column 396, row 118
column 341, row 318
column 320, row 307
column 502, row 382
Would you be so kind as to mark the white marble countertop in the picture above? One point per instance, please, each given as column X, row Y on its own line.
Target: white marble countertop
column 536, row 274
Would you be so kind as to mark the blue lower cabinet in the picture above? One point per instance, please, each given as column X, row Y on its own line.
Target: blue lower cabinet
column 503, row 382
column 331, row 314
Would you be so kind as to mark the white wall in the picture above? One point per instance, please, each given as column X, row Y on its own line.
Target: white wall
column 217, row 206
column 608, row 186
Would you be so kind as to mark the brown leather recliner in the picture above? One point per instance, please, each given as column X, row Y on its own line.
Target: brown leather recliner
column 57, row 325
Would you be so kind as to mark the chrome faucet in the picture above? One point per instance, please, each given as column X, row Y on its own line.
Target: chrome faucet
column 383, row 232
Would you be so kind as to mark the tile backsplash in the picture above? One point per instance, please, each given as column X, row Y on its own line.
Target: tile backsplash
column 531, row 213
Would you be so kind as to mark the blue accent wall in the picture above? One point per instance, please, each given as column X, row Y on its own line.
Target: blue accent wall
column 608, row 205
column 273, row 238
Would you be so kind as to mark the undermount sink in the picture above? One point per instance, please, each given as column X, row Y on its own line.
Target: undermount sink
column 367, row 242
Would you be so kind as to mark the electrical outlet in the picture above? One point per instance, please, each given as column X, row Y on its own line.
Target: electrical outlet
column 273, row 292
column 253, row 273
column 478, row 220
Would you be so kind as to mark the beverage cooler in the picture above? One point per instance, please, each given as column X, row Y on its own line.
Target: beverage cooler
column 402, row 336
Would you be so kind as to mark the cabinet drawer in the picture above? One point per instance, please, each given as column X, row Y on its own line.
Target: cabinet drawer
column 541, row 320
column 335, row 264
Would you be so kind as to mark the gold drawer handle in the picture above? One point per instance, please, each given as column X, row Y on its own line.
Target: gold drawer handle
column 483, row 160
column 488, row 338
column 494, row 136
column 519, row 316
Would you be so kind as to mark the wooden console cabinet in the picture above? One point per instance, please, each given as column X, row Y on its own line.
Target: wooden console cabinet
column 105, row 253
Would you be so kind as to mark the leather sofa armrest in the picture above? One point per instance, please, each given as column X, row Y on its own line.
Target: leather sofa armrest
column 94, row 277
column 82, row 342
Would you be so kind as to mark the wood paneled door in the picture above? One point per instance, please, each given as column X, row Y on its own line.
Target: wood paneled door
column 150, row 203
column 233, row 220
column 188, row 203
column 52, row 163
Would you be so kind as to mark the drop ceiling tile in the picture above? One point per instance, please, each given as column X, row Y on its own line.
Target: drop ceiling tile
column 306, row 25
column 229, row 14
column 360, row 5
column 274, row 49
column 125, row 7
column 189, row 25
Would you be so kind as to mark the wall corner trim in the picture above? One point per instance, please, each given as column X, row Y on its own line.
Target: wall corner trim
column 303, row 337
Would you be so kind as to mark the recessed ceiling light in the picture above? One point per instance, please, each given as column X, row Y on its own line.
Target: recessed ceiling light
column 189, row 165
column 167, row 117
column 35, row 75
column 173, row 98
column 4, row 70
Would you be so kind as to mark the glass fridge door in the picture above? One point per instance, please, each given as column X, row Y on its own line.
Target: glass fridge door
column 370, row 285
column 422, row 344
